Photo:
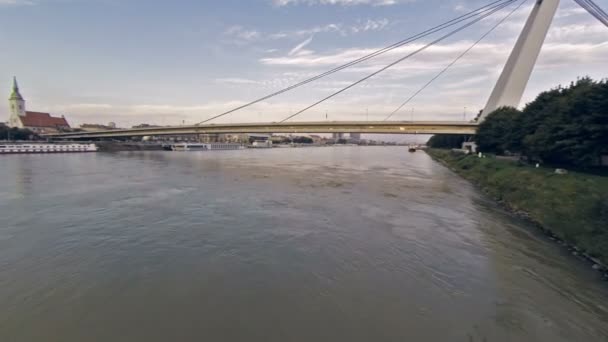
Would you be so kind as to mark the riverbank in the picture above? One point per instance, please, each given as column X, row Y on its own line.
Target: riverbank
column 571, row 208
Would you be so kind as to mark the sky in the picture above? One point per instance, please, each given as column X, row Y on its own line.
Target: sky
column 182, row 61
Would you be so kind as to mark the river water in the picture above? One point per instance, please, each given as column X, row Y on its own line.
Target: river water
column 319, row 244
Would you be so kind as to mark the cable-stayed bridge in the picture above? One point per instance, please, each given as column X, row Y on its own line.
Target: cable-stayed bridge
column 370, row 127
column 508, row 90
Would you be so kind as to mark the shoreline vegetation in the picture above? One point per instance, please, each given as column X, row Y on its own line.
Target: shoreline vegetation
column 571, row 209
column 16, row 134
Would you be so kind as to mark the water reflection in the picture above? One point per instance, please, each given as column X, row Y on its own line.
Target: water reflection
column 22, row 173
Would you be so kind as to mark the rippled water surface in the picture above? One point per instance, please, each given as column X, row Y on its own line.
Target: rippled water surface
column 319, row 244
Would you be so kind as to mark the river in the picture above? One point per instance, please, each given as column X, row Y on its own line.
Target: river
column 310, row 244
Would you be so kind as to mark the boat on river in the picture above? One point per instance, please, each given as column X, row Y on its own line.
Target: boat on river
column 184, row 147
column 46, row 148
column 261, row 144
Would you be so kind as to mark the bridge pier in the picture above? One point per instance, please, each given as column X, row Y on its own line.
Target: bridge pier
column 513, row 81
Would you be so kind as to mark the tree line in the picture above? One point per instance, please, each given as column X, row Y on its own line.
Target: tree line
column 7, row 133
column 562, row 126
column 447, row 141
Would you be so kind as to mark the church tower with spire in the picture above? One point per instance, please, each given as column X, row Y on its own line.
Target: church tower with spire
column 16, row 105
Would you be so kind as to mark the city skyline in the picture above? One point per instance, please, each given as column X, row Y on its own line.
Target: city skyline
column 133, row 62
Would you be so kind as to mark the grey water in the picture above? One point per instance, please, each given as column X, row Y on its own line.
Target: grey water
column 309, row 244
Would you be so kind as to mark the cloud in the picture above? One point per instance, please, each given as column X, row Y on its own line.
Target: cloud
column 568, row 12
column 573, row 37
column 340, row 2
column 238, row 81
column 240, row 36
column 372, row 25
column 16, row 3
column 300, row 46
column 484, row 56
column 339, row 28
column 572, row 44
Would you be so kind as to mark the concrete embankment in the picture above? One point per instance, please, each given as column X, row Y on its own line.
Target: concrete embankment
column 572, row 208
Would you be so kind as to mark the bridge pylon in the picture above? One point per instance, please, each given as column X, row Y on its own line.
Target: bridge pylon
column 514, row 78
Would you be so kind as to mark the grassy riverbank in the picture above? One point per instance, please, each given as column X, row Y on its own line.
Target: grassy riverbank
column 574, row 207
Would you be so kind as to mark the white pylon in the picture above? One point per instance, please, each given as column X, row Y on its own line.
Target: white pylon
column 513, row 81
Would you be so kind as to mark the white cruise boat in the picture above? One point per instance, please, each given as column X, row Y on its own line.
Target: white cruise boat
column 262, row 144
column 206, row 147
column 12, row 148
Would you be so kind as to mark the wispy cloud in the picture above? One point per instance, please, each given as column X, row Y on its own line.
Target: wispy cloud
column 234, row 80
column 340, row 2
column 300, row 46
column 16, row 3
column 240, row 35
column 557, row 53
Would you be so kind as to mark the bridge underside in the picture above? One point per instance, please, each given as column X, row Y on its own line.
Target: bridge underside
column 369, row 127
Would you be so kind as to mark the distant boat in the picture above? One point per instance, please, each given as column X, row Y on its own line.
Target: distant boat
column 46, row 148
column 261, row 144
column 206, row 147
column 412, row 148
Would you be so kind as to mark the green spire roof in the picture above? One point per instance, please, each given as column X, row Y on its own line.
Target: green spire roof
column 15, row 95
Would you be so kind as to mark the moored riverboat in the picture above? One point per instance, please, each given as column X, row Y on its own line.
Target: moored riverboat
column 184, row 147
column 14, row 148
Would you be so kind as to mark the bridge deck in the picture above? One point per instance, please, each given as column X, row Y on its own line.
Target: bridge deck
column 370, row 127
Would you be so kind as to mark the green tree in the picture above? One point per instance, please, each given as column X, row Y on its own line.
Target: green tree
column 571, row 127
column 447, row 141
column 501, row 131
column 565, row 126
column 7, row 133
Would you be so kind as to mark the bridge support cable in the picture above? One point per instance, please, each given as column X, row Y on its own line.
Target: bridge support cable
column 595, row 10
column 455, row 61
column 451, row 33
column 477, row 12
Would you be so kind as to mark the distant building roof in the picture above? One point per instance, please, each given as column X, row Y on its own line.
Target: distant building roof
column 37, row 119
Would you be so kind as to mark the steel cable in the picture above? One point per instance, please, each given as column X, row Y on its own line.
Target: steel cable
column 454, row 61
column 491, row 6
column 396, row 62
